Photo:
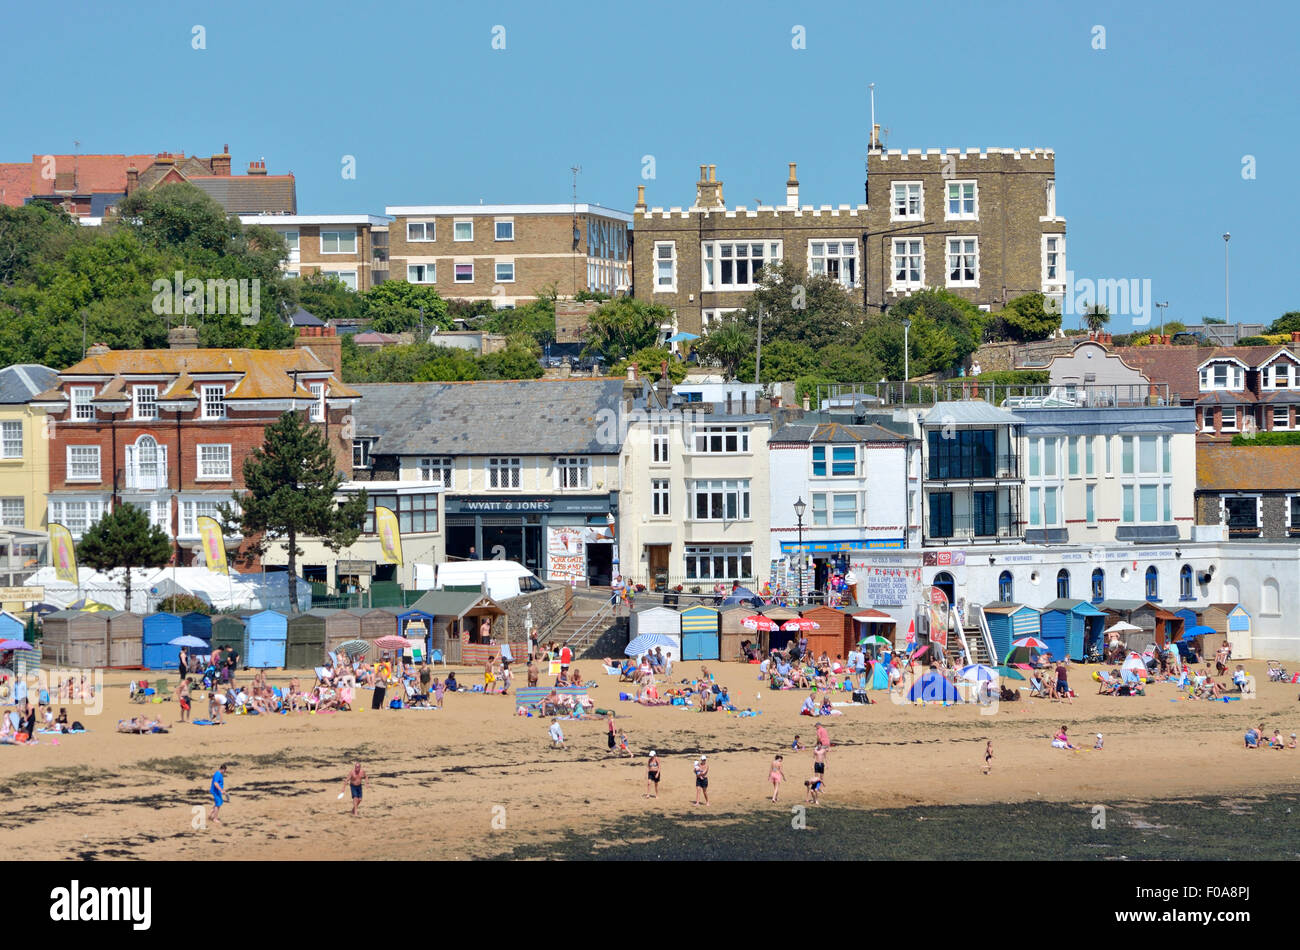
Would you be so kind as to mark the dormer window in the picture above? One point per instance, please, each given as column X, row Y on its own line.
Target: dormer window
column 1282, row 374
column 82, row 407
column 1221, row 376
column 214, row 402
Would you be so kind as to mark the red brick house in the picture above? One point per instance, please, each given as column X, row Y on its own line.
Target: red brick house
column 168, row 430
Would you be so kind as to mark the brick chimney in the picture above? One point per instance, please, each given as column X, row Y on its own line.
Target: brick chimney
column 323, row 344
column 132, row 179
column 98, row 349
column 221, row 163
column 640, row 199
column 257, row 168
column 708, row 190
column 183, row 338
column 792, row 189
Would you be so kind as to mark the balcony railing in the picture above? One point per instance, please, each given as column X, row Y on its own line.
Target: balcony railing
column 1013, row 396
column 1001, row 466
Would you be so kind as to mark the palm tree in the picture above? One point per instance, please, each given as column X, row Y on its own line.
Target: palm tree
column 1096, row 317
column 727, row 343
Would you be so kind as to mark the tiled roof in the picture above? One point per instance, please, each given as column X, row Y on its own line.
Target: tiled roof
column 534, row 417
column 1178, row 366
column 1247, row 467
column 95, row 174
column 834, row 432
column 22, row 382
column 250, row 194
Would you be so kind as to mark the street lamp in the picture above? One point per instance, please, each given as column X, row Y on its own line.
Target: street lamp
column 907, row 325
column 1226, row 313
column 799, row 509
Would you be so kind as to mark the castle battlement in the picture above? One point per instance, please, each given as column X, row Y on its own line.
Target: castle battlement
column 904, row 155
column 762, row 211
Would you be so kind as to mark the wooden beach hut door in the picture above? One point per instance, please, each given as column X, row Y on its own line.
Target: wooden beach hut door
column 700, row 633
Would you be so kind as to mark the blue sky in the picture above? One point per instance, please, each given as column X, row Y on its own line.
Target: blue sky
column 1150, row 133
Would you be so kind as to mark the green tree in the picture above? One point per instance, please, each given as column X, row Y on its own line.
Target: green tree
column 179, row 217
column 329, row 298
column 536, row 318
column 618, row 328
column 848, row 364
column 124, row 538
column 1289, row 322
column 727, row 343
column 30, row 233
column 782, row 360
column 649, row 363
column 291, row 482
column 1096, row 317
column 797, row 307
column 515, row 362
column 394, row 307
column 1024, row 319
column 956, row 317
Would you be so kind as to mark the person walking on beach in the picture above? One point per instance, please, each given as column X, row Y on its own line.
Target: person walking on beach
column 557, row 735
column 183, row 664
column 609, row 721
column 819, row 759
column 532, row 672
column 218, row 792
column 652, row 775
column 183, row 698
column 702, row 779
column 776, row 775
column 988, row 756
column 823, row 737
column 356, row 779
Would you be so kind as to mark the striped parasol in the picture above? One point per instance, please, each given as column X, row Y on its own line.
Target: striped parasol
column 355, row 647
column 394, row 642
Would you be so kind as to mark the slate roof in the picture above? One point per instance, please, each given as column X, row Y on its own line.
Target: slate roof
column 834, row 432
column 524, row 417
column 250, row 194
column 303, row 318
column 448, row 603
column 23, row 381
column 969, row 412
column 1247, row 467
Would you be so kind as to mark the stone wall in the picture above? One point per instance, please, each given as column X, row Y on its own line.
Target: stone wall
column 546, row 605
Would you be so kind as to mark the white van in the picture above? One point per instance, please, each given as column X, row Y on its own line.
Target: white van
column 504, row 579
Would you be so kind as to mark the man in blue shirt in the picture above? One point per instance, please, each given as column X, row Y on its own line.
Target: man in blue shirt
column 218, row 792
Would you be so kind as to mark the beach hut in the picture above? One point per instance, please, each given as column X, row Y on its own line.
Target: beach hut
column 700, row 632
column 869, row 622
column 76, row 638
column 1010, row 622
column 229, row 630
column 834, row 635
column 1075, row 623
column 267, row 632
column 415, row 625
column 305, row 638
column 340, row 627
column 159, row 654
column 775, row 639
column 11, row 628
column 458, row 626
column 1140, row 614
column 666, row 622
column 1234, row 622
column 125, row 640
column 196, row 624
column 374, row 622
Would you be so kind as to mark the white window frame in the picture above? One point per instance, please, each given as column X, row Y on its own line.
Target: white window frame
column 913, row 195
column 132, row 455
column 904, row 286
column 11, row 439
column 83, row 408
column 455, row 272
column 137, row 402
column 1053, row 284
column 502, row 470
column 659, row 286
column 338, row 235
column 96, row 506
column 1285, row 411
column 6, row 512
column 347, row 277
column 708, row 554
column 204, row 466
column 293, row 243
column 660, row 496
column 713, row 253
column 188, row 513
column 361, row 453
column 722, row 487
column 820, row 257
column 428, row 232
column 1259, row 510
column 1228, row 418
column 441, row 466
column 711, row 315
column 960, row 240
column 84, row 461
column 974, row 213
column 659, row 438
column 573, row 472
column 496, row 229
column 456, row 224
column 207, row 401
column 317, row 412
column 496, row 271
column 427, row 273
column 722, row 433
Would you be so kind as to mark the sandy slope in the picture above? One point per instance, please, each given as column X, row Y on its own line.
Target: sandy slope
column 444, row 783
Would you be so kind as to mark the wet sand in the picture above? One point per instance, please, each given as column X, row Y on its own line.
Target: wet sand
column 474, row 781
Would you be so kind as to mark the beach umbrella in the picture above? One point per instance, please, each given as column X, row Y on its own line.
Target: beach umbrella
column 188, row 641
column 978, row 672
column 89, row 605
column 41, row 610
column 919, row 653
column 1134, row 663
column 393, row 642
column 1008, row 673
column 15, row 645
column 682, row 337
column 801, row 623
column 1032, row 642
column 874, row 640
column 355, row 647
column 1123, row 627
column 759, row 622
column 647, row 642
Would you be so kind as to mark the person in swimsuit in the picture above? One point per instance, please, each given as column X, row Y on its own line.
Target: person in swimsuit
column 183, row 698
column 356, row 780
column 218, row 792
column 652, row 776
column 988, row 756
column 610, row 722
column 702, row 779
column 819, row 760
column 814, row 790
column 776, row 775
column 183, row 663
column 622, row 744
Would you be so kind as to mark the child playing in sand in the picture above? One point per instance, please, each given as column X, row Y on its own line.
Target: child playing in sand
column 797, row 746
column 622, row 744
column 776, row 775
column 1276, row 741
column 813, row 787
column 1098, row 743
column 1291, row 744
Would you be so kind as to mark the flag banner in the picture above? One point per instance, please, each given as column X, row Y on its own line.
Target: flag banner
column 63, row 555
column 390, row 536
column 214, row 544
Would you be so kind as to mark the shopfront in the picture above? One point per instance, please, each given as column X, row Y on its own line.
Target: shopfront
column 565, row 539
column 832, row 559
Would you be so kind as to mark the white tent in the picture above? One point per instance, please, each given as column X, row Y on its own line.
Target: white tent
column 148, row 587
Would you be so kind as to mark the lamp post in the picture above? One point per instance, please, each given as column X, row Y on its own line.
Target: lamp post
column 1227, row 318
column 799, row 509
column 907, row 325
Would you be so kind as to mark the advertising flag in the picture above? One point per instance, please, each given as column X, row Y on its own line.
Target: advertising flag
column 390, row 537
column 214, row 545
column 63, row 554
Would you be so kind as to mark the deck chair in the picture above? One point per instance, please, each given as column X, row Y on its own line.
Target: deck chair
column 160, row 690
column 1038, row 688
column 436, row 657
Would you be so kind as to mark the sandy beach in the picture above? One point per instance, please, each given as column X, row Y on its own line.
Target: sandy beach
column 473, row 780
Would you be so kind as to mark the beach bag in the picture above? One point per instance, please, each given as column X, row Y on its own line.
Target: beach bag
column 624, row 697
column 395, row 704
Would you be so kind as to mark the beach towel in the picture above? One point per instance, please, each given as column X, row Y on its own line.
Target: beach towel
column 202, row 722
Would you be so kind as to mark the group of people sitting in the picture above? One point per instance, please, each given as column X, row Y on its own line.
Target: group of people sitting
column 643, row 670
column 1120, row 683
column 1255, row 739
column 141, row 725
